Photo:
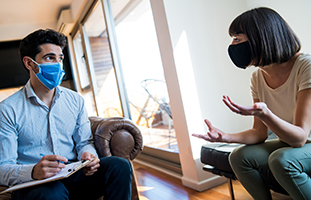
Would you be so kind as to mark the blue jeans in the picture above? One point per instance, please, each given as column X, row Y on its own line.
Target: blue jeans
column 112, row 180
column 291, row 167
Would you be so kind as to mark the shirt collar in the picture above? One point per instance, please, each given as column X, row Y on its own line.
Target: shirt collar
column 30, row 93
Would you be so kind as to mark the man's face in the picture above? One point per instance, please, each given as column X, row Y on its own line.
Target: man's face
column 49, row 53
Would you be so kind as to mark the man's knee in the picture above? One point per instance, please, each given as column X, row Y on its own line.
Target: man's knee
column 117, row 165
column 48, row 191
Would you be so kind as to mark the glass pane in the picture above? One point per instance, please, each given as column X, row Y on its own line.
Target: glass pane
column 89, row 103
column 106, row 89
column 143, row 73
column 83, row 74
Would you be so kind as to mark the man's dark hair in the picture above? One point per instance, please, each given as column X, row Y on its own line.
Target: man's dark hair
column 30, row 45
column 272, row 41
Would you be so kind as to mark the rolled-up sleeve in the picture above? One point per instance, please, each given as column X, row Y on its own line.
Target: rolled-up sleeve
column 83, row 135
column 11, row 172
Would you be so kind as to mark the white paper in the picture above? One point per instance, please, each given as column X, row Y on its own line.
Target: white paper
column 70, row 168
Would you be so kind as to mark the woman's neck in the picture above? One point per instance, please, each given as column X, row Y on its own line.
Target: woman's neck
column 277, row 74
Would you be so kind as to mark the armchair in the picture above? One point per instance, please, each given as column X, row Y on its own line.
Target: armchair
column 114, row 136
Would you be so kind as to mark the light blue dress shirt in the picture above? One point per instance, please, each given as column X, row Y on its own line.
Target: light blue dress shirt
column 29, row 128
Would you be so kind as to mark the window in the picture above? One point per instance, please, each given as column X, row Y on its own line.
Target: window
column 97, row 76
column 143, row 73
column 121, row 62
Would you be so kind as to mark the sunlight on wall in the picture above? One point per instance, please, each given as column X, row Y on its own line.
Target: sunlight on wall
column 189, row 92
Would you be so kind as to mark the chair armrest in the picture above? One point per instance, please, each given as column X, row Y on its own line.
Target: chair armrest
column 116, row 136
column 4, row 196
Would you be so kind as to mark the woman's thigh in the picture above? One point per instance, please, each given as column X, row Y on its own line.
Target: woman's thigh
column 292, row 169
column 293, row 160
column 256, row 155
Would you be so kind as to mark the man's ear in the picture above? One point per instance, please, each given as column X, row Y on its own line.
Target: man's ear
column 29, row 63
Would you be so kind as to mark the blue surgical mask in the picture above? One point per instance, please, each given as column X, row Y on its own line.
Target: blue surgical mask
column 50, row 74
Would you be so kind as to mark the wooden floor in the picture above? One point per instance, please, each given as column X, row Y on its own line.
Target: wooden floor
column 155, row 185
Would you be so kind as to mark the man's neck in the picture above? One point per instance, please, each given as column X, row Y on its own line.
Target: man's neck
column 43, row 93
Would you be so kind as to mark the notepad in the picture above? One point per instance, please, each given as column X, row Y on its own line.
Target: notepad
column 64, row 173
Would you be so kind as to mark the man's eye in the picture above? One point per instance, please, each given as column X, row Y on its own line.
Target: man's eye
column 48, row 58
column 61, row 59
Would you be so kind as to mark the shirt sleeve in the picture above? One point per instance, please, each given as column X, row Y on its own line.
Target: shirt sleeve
column 11, row 172
column 304, row 74
column 83, row 135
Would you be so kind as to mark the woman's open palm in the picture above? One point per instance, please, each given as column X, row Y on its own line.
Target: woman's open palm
column 258, row 109
column 213, row 134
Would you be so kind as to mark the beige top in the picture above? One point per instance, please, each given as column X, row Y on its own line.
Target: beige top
column 282, row 100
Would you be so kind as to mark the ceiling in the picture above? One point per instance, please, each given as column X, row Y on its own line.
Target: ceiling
column 20, row 17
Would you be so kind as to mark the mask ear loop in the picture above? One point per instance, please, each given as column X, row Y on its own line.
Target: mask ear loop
column 34, row 61
column 36, row 64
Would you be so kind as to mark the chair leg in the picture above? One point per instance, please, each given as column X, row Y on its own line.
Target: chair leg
column 230, row 188
column 135, row 193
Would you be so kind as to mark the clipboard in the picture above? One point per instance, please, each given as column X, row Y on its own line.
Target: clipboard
column 64, row 173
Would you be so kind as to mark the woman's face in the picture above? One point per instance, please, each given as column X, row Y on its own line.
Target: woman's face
column 238, row 38
column 240, row 51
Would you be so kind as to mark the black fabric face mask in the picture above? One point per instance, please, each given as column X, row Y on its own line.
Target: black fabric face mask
column 240, row 54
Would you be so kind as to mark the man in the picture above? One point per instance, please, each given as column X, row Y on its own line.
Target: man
column 43, row 126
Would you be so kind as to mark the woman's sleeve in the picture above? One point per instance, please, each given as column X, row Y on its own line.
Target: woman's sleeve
column 254, row 85
column 304, row 74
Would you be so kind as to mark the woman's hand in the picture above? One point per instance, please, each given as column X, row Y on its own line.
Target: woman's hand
column 91, row 168
column 214, row 134
column 258, row 109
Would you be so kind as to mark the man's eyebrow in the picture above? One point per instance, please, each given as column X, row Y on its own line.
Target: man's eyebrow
column 52, row 54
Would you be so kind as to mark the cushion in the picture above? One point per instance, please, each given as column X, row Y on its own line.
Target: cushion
column 216, row 155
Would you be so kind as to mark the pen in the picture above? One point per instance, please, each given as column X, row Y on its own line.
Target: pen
column 57, row 160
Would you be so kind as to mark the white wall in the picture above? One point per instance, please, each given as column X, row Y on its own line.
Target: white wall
column 202, row 70
column 206, row 25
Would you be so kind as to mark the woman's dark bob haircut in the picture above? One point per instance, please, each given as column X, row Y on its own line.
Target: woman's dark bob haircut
column 272, row 41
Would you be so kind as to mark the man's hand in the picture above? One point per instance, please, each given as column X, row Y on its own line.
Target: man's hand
column 91, row 168
column 48, row 166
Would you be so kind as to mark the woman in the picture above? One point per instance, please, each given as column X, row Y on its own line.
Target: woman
column 281, row 91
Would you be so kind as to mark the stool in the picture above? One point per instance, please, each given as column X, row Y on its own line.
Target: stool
column 215, row 156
